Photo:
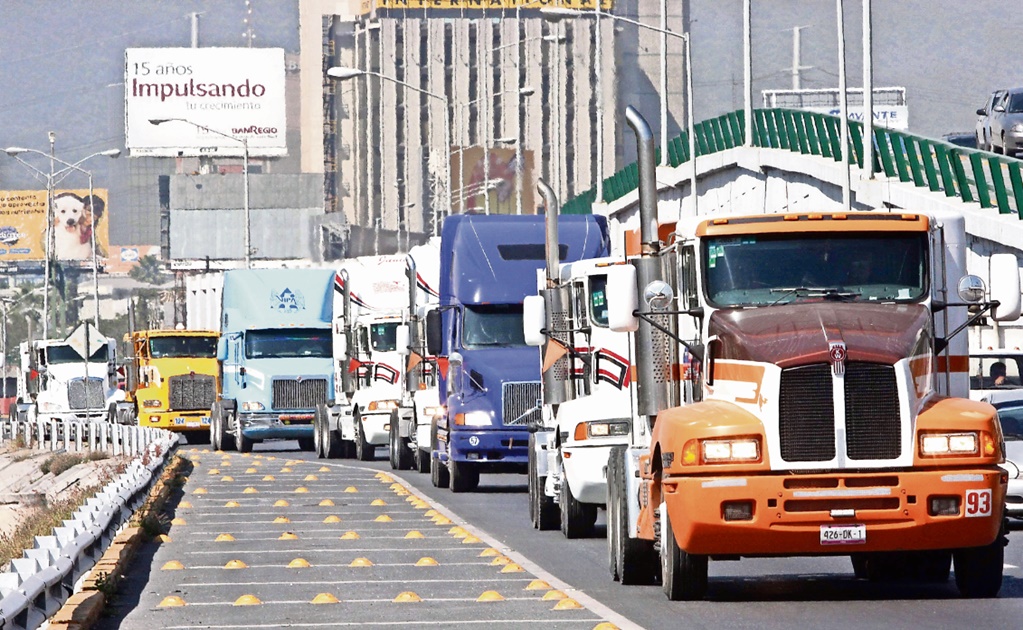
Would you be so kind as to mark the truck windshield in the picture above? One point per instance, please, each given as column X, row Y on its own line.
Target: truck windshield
column 66, row 354
column 198, row 347
column 489, row 325
column 287, row 344
column 767, row 269
column 383, row 337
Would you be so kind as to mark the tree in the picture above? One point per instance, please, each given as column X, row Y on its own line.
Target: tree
column 149, row 270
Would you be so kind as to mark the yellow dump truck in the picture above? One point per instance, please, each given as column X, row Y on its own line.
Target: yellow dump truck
column 172, row 380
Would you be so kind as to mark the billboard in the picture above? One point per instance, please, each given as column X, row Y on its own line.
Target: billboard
column 76, row 218
column 212, row 101
column 473, row 181
column 122, row 258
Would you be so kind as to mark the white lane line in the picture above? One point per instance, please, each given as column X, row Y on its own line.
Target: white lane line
column 326, row 565
column 340, row 582
column 1009, row 566
column 229, row 548
column 518, row 623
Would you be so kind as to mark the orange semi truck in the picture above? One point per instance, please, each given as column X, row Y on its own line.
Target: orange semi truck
column 802, row 389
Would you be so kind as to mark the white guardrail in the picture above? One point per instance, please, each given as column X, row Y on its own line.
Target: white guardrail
column 37, row 584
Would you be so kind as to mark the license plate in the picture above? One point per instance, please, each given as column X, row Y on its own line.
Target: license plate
column 192, row 424
column 843, row 534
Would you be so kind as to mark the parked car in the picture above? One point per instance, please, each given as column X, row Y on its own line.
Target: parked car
column 1006, row 122
column 1010, row 413
column 983, row 132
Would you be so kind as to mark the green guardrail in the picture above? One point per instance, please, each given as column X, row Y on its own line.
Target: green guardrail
column 993, row 181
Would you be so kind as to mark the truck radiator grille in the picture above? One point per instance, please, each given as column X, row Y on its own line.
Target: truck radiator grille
column 299, row 394
column 807, row 414
column 86, row 393
column 521, row 403
column 873, row 426
column 190, row 392
column 873, row 423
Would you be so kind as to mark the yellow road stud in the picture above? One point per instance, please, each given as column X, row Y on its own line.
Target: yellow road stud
column 605, row 625
column 185, row 504
column 286, row 469
column 173, row 565
column 397, row 486
column 499, row 560
column 351, row 489
column 553, row 595
column 282, row 519
column 361, row 562
column 442, row 520
column 512, row 568
column 471, row 540
column 235, row 564
column 406, row 597
column 227, row 478
column 490, row 596
column 324, row 469
column 287, row 536
column 333, row 518
column 250, row 490
column 199, row 491
column 178, row 521
column 281, row 503
column 251, row 470
column 489, row 552
column 567, row 604
column 537, row 585
column 426, row 562
column 272, row 457
column 311, row 478
column 383, row 518
column 430, row 513
column 232, row 504
column 226, row 461
column 247, row 600
column 299, row 563
column 293, row 462
column 301, row 490
column 218, row 451
column 268, row 478
column 457, row 529
column 224, row 538
column 378, row 502
column 325, row 598
column 414, row 534
column 326, row 503
column 214, row 471
column 349, row 536
column 172, row 600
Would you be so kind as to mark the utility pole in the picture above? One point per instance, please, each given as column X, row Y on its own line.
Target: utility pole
column 796, row 57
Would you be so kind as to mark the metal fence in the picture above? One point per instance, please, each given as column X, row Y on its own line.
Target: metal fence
column 993, row 181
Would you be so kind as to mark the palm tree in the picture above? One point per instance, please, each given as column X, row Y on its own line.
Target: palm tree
column 149, row 270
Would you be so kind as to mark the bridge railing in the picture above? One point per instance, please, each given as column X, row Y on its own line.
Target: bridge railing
column 993, row 181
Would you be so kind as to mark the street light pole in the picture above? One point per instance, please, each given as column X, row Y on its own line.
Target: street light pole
column 245, row 175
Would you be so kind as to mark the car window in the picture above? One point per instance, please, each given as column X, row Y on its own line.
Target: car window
column 981, row 368
column 1015, row 103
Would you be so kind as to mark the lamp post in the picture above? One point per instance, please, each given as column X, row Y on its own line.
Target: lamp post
column 342, row 73
column 556, row 13
column 52, row 178
column 245, row 174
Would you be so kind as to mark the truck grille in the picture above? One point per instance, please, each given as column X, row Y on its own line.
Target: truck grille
column 86, row 393
column 299, row 394
column 189, row 392
column 807, row 416
column 521, row 403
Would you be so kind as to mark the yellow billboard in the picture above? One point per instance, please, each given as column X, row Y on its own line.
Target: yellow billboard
column 474, row 181
column 76, row 218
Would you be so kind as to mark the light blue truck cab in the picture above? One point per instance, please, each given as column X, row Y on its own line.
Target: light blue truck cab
column 491, row 384
column 275, row 356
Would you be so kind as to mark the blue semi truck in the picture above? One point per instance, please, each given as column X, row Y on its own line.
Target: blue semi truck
column 488, row 377
column 274, row 353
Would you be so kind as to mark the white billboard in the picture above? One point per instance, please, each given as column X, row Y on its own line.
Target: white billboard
column 205, row 101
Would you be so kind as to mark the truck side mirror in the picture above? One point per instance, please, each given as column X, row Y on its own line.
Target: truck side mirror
column 433, row 332
column 622, row 298
column 1005, row 287
column 222, row 349
column 402, row 339
column 533, row 320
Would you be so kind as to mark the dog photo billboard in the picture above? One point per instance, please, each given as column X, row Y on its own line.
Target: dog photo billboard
column 207, row 101
column 77, row 217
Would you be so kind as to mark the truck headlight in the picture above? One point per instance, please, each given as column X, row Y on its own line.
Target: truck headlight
column 382, row 405
column 938, row 444
column 473, row 419
column 600, row 429
column 150, row 403
column 252, row 405
column 433, row 412
column 734, row 451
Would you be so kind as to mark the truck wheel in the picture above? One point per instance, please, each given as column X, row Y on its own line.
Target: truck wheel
column 543, row 512
column 978, row 570
column 364, row 451
column 465, row 477
column 577, row 518
column 438, row 471
column 637, row 562
column 112, row 413
column 421, row 459
column 241, row 443
column 612, row 517
column 220, row 439
column 400, row 453
column 932, row 567
column 318, row 434
column 307, row 443
column 683, row 575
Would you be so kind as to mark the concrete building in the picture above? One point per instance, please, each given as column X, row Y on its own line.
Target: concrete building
column 523, row 97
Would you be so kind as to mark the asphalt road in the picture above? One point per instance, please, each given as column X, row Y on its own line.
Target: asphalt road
column 758, row 593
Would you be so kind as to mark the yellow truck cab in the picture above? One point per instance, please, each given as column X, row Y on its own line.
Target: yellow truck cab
column 172, row 380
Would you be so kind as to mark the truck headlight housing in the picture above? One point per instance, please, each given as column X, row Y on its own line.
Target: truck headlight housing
column 957, row 444
column 433, row 412
column 473, row 419
column 252, row 405
column 729, row 451
column 382, row 405
column 600, row 429
column 150, row 403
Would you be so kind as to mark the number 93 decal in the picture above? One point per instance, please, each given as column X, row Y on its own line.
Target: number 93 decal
column 978, row 503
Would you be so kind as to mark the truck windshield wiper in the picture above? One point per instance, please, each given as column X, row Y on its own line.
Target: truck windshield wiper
column 831, row 293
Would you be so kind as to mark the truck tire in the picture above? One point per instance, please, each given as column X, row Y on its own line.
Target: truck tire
column 543, row 512
column 318, row 433
column 307, row 443
column 241, row 443
column 683, row 575
column 400, row 453
column 112, row 413
column 438, row 471
column 577, row 519
column 465, row 477
column 220, row 439
column 636, row 560
column 978, row 570
column 421, row 460
column 364, row 451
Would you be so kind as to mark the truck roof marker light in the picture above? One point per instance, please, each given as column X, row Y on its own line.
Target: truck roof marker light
column 720, row 222
column 426, row 561
column 691, row 453
column 350, row 536
column 815, row 217
column 281, row 503
column 325, row 598
column 490, row 596
column 909, row 217
column 567, row 604
column 537, row 585
column 333, row 518
column 224, row 538
column 839, row 217
column 326, row 503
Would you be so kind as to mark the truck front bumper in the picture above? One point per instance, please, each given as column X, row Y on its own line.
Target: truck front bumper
column 586, row 472
column 493, row 450
column 176, row 420
column 791, row 513
column 376, row 427
column 284, row 427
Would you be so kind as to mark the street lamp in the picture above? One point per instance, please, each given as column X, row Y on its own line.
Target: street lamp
column 342, row 73
column 245, row 175
column 557, row 13
column 52, row 179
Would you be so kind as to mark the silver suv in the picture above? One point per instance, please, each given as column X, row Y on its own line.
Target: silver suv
column 1007, row 123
